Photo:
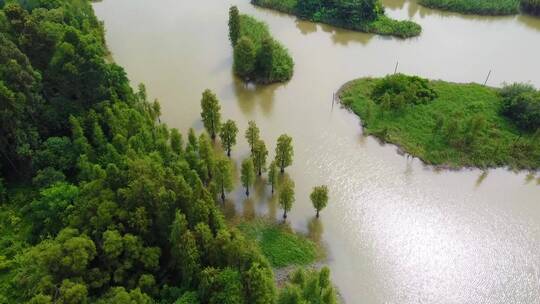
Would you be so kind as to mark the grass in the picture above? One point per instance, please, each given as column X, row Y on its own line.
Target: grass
column 383, row 25
column 281, row 246
column 479, row 7
column 436, row 132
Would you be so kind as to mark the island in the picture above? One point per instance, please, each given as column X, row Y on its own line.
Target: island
column 485, row 7
column 449, row 124
column 363, row 16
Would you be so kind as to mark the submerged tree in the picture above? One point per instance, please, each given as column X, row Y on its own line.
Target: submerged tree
column 319, row 198
column 223, row 176
column 247, row 174
column 234, row 25
column 210, row 114
column 228, row 136
column 284, row 152
column 252, row 134
column 259, row 155
column 273, row 175
column 286, row 196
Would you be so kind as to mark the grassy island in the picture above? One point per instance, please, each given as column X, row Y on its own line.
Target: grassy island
column 257, row 56
column 449, row 124
column 485, row 7
column 364, row 16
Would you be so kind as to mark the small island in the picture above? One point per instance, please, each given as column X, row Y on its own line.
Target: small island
column 258, row 57
column 485, row 7
column 363, row 16
column 449, row 124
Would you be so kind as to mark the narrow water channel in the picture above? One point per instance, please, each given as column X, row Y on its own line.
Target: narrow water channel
column 397, row 231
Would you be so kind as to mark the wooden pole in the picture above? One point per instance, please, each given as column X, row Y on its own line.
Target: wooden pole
column 487, row 78
column 395, row 69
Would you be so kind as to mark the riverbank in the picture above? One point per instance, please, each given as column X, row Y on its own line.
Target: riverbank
column 485, row 7
column 381, row 24
column 461, row 127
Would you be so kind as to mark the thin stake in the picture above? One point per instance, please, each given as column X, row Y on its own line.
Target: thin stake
column 487, row 78
column 395, row 69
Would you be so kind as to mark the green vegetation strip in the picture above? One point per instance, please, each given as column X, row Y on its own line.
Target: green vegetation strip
column 449, row 124
column 485, row 7
column 364, row 16
column 281, row 246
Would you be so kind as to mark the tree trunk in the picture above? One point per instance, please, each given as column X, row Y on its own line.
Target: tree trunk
column 223, row 194
column 229, row 152
column 284, row 214
column 247, row 191
column 317, row 213
column 272, row 188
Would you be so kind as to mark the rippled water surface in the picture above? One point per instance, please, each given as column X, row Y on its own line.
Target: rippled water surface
column 397, row 231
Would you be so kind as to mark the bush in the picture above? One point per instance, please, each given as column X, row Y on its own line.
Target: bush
column 521, row 103
column 395, row 91
column 480, row 7
column 531, row 6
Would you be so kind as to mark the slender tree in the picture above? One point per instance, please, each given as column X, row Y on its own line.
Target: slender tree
column 284, row 152
column 265, row 57
column 245, row 57
column 234, row 25
column 207, row 155
column 259, row 156
column 273, row 175
column 319, row 198
column 247, row 174
column 252, row 134
column 210, row 114
column 286, row 196
column 223, row 176
column 228, row 135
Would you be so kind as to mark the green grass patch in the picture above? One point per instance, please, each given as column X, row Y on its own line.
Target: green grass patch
column 381, row 25
column 479, row 7
column 462, row 127
column 281, row 246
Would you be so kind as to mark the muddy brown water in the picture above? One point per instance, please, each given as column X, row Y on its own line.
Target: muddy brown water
column 396, row 231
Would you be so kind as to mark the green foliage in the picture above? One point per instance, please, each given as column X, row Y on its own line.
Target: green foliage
column 258, row 57
column 234, row 25
column 227, row 134
column 309, row 287
column 281, row 246
column 273, row 175
column 531, row 7
column 521, row 103
column 252, row 134
column 365, row 16
column 210, row 113
column 247, row 174
column 286, row 196
column 284, row 152
column 224, row 176
column 480, row 7
column 396, row 91
column 319, row 198
column 221, row 286
column 462, row 127
column 259, row 155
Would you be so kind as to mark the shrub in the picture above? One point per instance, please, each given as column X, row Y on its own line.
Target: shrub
column 531, row 6
column 480, row 7
column 395, row 91
column 521, row 103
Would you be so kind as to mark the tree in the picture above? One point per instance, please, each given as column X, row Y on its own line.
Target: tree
column 284, row 152
column 265, row 58
column 259, row 155
column 247, row 174
column 286, row 196
column 244, row 58
column 185, row 255
column 210, row 113
column 319, row 198
column 206, row 153
column 234, row 25
column 228, row 135
column 273, row 175
column 223, row 176
column 259, row 284
column 177, row 143
column 252, row 134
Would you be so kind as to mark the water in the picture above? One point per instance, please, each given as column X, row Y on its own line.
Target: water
column 397, row 231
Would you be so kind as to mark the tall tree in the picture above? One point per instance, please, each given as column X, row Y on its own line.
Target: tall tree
column 223, row 176
column 247, row 174
column 319, row 198
column 265, row 57
column 273, row 175
column 260, row 286
column 284, row 152
column 286, row 196
column 206, row 152
column 228, row 136
column 252, row 134
column 259, row 156
column 210, row 114
column 234, row 25
column 244, row 58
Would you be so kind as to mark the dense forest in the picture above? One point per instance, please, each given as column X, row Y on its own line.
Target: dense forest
column 365, row 15
column 485, row 7
column 258, row 57
column 449, row 124
column 99, row 201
